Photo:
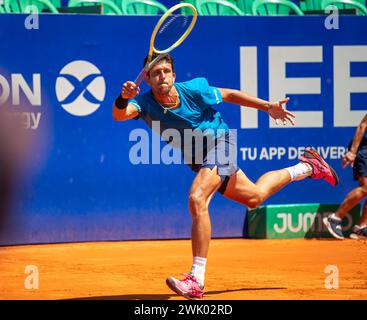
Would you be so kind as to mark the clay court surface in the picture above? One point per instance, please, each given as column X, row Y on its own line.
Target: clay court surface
column 238, row 269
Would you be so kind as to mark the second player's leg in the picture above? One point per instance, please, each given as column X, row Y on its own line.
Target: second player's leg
column 363, row 220
column 353, row 198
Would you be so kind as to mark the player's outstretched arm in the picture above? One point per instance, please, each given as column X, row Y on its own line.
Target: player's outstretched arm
column 276, row 110
column 122, row 110
column 349, row 158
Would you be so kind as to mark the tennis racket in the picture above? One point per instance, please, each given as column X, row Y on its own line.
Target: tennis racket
column 169, row 32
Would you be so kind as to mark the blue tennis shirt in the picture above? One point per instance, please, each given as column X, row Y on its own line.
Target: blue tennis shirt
column 195, row 111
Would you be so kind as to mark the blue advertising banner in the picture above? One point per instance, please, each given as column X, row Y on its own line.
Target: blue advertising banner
column 76, row 178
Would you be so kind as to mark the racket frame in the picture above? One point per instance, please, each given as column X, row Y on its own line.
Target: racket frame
column 162, row 53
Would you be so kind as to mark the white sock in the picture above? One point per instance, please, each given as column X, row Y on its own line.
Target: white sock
column 298, row 170
column 333, row 216
column 198, row 269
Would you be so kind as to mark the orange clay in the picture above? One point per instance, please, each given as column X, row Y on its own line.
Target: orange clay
column 237, row 269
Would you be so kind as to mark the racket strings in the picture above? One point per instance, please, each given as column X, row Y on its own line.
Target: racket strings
column 171, row 31
column 171, row 20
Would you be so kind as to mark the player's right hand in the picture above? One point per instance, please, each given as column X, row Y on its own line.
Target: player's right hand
column 348, row 159
column 129, row 90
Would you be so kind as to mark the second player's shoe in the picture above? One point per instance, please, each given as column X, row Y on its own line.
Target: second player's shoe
column 359, row 233
column 334, row 226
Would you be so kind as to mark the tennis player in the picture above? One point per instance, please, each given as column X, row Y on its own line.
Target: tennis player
column 357, row 158
column 189, row 105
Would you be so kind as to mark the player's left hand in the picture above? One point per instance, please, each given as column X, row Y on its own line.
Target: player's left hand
column 278, row 112
column 348, row 159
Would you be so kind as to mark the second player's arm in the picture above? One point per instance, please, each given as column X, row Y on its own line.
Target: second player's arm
column 352, row 153
column 359, row 135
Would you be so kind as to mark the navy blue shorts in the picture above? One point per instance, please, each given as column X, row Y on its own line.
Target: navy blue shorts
column 360, row 163
column 223, row 154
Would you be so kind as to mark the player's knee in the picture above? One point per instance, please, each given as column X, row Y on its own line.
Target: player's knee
column 364, row 190
column 255, row 201
column 196, row 202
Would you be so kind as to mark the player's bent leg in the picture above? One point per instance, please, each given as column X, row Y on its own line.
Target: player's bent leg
column 241, row 189
column 312, row 165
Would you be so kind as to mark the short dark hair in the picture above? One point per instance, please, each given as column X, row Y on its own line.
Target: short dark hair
column 168, row 58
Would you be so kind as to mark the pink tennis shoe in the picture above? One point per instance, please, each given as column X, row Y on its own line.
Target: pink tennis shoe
column 188, row 287
column 320, row 169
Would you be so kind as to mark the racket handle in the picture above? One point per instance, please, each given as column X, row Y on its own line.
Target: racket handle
column 140, row 77
column 149, row 65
